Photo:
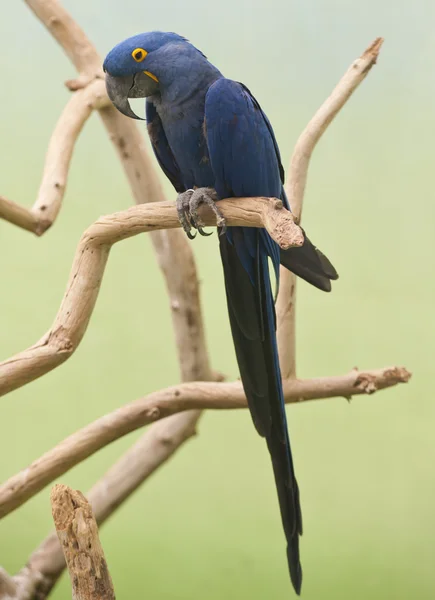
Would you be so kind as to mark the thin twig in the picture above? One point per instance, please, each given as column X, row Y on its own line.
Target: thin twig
column 8, row 587
column 158, row 405
column 57, row 162
column 78, row 534
column 312, row 133
column 297, row 179
column 61, row 147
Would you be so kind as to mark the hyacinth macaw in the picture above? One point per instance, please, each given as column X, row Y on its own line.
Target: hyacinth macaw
column 213, row 141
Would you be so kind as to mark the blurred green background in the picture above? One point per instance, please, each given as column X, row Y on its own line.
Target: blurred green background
column 207, row 525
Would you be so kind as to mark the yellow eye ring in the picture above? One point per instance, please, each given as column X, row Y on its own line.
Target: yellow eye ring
column 139, row 54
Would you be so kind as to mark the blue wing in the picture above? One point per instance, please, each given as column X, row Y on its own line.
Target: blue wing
column 243, row 151
column 272, row 135
column 246, row 161
column 244, row 157
column 161, row 148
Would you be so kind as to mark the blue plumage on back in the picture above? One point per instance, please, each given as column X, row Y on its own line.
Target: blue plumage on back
column 244, row 155
column 244, row 158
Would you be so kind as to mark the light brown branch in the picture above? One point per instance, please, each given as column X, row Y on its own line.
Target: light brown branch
column 18, row 215
column 78, row 534
column 8, row 587
column 61, row 147
column 26, row 585
column 57, row 162
column 158, row 405
column 123, row 132
column 159, row 443
column 286, row 323
column 312, row 133
column 297, row 179
column 88, row 268
column 69, row 35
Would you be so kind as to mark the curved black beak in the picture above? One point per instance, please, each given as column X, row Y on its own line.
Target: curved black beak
column 139, row 85
column 119, row 89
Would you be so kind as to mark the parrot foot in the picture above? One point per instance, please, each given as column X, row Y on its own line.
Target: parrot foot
column 205, row 196
column 187, row 207
column 183, row 203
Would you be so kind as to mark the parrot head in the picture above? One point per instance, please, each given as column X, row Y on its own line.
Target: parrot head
column 142, row 65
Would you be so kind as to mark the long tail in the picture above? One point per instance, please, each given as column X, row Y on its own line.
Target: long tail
column 245, row 253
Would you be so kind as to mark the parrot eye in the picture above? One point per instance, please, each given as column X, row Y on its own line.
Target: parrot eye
column 139, row 54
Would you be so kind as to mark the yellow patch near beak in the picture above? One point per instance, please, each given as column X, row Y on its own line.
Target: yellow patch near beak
column 151, row 75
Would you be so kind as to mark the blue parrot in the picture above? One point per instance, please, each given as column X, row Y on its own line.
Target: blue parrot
column 213, row 141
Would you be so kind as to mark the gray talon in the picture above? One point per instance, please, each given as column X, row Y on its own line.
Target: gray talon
column 182, row 203
column 196, row 220
column 204, row 196
column 222, row 226
column 187, row 207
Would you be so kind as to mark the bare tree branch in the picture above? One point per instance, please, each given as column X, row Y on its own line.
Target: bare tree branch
column 297, row 179
column 8, row 587
column 61, row 147
column 57, row 161
column 18, row 215
column 69, row 35
column 88, row 268
column 78, row 534
column 123, row 132
column 312, row 133
column 26, row 585
column 159, row 443
column 158, row 405
column 286, row 323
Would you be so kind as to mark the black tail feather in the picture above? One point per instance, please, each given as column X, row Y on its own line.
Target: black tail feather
column 311, row 264
column 288, row 496
column 252, row 319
